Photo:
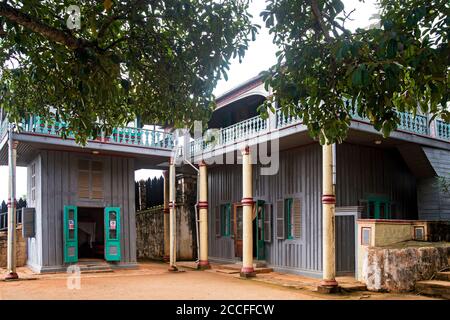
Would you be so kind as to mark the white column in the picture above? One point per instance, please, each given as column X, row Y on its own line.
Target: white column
column 172, row 220
column 203, row 209
column 328, row 283
column 247, row 221
column 11, row 252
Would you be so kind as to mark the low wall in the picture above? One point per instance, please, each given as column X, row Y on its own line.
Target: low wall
column 150, row 234
column 21, row 248
column 398, row 269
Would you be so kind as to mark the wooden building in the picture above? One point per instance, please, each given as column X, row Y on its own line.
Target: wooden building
column 393, row 179
column 83, row 197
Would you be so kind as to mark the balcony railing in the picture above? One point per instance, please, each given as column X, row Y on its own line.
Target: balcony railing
column 254, row 126
column 123, row 136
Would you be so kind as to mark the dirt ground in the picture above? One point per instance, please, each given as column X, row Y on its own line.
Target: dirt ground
column 153, row 281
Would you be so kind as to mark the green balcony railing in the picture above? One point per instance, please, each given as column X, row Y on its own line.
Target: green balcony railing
column 123, row 136
column 443, row 130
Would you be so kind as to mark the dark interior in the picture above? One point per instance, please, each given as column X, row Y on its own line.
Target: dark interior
column 235, row 112
column 91, row 234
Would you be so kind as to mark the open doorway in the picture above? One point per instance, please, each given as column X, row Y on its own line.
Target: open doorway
column 91, row 233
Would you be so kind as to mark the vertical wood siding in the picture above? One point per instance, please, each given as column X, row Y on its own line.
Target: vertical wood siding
column 360, row 170
column 57, row 186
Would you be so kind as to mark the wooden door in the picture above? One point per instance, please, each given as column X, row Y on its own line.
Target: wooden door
column 70, row 234
column 112, row 234
column 237, row 229
column 259, row 230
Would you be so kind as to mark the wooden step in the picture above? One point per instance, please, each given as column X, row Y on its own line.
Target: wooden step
column 437, row 288
column 443, row 276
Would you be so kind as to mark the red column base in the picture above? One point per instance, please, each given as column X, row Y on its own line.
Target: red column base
column 11, row 276
column 173, row 269
column 203, row 265
column 166, row 258
column 247, row 272
column 328, row 286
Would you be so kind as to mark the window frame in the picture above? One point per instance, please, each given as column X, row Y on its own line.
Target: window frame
column 225, row 219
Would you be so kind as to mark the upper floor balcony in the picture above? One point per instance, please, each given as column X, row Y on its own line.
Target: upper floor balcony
column 34, row 134
column 285, row 124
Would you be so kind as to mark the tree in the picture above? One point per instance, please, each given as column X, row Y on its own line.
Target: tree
column 156, row 59
column 326, row 73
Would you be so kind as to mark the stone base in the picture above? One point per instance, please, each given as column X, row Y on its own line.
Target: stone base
column 173, row 269
column 11, row 276
column 247, row 273
column 328, row 286
column 203, row 265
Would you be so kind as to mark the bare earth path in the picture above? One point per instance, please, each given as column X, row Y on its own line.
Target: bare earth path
column 153, row 281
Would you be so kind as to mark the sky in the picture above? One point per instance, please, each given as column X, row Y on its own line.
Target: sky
column 260, row 56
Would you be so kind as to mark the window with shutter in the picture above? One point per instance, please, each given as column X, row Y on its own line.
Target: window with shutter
column 280, row 220
column 90, row 179
column 296, row 217
column 267, row 222
column 225, row 220
column 97, row 180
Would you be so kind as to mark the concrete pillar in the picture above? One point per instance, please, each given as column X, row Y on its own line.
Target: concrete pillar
column 166, row 216
column 247, row 203
column 328, row 283
column 203, row 210
column 172, row 219
column 11, row 252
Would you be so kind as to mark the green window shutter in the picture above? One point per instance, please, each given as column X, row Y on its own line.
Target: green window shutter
column 288, row 217
column 280, row 220
column 267, row 222
column 297, row 216
column 217, row 221
column 112, row 234
column 70, row 234
column 228, row 220
column 231, row 221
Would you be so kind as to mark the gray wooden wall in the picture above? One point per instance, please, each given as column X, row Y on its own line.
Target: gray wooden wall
column 360, row 170
column 56, row 179
column 433, row 201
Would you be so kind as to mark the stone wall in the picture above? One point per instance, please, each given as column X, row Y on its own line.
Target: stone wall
column 398, row 269
column 150, row 234
column 21, row 248
column 150, row 225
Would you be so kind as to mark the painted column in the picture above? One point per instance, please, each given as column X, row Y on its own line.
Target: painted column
column 203, row 209
column 166, row 216
column 172, row 219
column 247, row 203
column 328, row 283
column 12, row 156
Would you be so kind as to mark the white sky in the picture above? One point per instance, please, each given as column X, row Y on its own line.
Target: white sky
column 259, row 56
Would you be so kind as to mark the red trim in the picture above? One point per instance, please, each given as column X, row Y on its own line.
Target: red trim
column 246, row 150
column 166, row 258
column 202, row 163
column 166, row 210
column 11, row 276
column 247, row 201
column 328, row 199
column 247, row 270
column 203, row 204
column 203, row 263
column 171, row 204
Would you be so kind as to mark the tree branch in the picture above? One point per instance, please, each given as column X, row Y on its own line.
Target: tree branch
column 51, row 33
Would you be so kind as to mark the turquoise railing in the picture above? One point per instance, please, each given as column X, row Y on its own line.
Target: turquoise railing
column 124, row 136
column 416, row 124
column 442, row 130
